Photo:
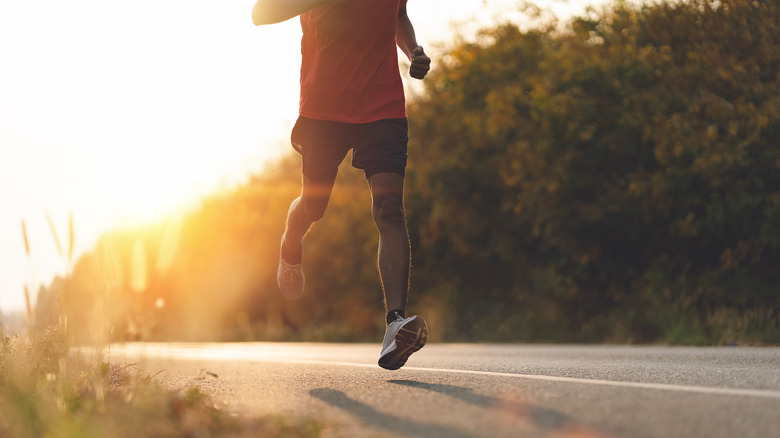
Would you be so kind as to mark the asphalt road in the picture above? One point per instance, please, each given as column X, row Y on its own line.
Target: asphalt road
column 465, row 390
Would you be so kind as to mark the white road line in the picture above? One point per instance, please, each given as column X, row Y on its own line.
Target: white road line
column 174, row 350
column 656, row 386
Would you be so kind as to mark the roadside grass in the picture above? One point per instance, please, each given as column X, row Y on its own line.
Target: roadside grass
column 47, row 391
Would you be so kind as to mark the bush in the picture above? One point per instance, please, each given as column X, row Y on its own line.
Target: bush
column 620, row 173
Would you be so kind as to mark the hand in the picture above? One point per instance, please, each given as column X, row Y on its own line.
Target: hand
column 421, row 63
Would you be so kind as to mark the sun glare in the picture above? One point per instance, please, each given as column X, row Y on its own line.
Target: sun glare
column 146, row 122
column 123, row 115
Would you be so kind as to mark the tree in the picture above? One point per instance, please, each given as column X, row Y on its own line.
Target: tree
column 617, row 180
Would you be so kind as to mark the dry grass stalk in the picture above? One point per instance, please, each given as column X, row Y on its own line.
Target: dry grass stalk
column 54, row 233
column 71, row 238
column 26, row 241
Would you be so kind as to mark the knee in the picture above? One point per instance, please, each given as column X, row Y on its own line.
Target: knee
column 388, row 212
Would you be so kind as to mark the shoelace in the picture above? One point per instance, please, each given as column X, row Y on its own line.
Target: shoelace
column 291, row 274
column 394, row 326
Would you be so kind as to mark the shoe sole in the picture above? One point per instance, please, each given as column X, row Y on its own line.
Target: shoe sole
column 409, row 339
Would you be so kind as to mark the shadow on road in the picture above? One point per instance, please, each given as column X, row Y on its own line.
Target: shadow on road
column 387, row 421
column 546, row 418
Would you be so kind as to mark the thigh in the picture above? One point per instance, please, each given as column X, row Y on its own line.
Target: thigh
column 322, row 145
column 386, row 185
column 315, row 196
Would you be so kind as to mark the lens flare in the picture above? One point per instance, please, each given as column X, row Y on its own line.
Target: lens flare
column 138, row 280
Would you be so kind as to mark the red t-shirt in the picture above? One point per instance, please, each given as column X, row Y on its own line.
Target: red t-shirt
column 349, row 71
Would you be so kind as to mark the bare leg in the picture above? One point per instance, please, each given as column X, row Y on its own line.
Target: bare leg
column 394, row 256
column 304, row 211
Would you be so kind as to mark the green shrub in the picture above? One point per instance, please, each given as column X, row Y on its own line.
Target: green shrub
column 621, row 175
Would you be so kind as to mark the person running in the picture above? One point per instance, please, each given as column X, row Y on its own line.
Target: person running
column 352, row 97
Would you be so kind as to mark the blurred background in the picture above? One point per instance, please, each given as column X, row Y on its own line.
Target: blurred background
column 601, row 174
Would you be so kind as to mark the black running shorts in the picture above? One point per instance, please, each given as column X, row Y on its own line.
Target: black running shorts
column 377, row 147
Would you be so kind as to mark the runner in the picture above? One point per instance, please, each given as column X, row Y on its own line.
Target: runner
column 352, row 97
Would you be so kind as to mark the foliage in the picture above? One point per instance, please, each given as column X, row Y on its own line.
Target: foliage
column 611, row 181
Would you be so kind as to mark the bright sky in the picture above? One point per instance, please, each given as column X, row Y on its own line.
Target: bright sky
column 119, row 113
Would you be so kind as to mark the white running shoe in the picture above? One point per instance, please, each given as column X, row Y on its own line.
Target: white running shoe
column 402, row 338
column 290, row 278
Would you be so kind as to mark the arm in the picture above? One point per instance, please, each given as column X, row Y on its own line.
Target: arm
column 276, row 11
column 407, row 41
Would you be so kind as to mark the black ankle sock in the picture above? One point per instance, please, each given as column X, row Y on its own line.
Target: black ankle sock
column 391, row 315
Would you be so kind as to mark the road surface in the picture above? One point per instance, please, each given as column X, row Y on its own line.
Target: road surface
column 477, row 390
